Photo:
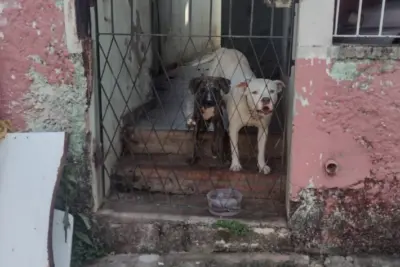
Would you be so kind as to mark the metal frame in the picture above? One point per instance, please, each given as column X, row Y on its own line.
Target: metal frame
column 100, row 69
column 359, row 19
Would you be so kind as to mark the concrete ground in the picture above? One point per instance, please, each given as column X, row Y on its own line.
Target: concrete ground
column 240, row 260
column 182, row 239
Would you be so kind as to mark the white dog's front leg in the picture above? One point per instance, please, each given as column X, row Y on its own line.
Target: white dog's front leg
column 234, row 136
column 262, row 135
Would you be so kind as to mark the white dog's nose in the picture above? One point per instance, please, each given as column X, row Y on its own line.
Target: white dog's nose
column 265, row 100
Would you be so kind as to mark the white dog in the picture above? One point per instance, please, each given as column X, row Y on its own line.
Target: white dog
column 250, row 101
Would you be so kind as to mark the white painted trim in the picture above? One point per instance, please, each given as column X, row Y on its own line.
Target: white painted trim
column 74, row 45
column 315, row 28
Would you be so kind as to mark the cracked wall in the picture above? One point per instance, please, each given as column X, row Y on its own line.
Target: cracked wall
column 350, row 119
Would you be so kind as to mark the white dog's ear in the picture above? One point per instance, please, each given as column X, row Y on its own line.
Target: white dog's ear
column 280, row 85
column 243, row 85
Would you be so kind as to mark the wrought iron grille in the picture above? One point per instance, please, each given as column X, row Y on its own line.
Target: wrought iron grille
column 367, row 22
column 146, row 52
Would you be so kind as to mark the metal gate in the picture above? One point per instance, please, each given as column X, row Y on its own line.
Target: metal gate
column 143, row 48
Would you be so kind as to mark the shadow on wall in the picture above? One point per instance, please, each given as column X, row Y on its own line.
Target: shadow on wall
column 348, row 6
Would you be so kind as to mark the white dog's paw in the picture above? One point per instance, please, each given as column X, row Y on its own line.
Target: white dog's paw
column 264, row 169
column 190, row 123
column 235, row 167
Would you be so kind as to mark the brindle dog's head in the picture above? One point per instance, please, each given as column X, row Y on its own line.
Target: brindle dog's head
column 207, row 92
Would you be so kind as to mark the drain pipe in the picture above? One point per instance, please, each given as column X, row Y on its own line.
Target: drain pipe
column 331, row 167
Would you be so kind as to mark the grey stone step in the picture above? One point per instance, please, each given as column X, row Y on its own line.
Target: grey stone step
column 128, row 226
column 241, row 260
column 204, row 260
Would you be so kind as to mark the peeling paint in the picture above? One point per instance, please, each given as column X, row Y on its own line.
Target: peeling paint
column 21, row 41
column 358, row 220
column 61, row 108
column 56, row 107
column 303, row 100
column 344, row 71
column 42, row 87
column 352, row 120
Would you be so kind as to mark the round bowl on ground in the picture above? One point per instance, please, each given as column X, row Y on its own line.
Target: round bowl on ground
column 224, row 202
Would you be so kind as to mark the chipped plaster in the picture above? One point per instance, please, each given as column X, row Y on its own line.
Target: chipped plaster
column 37, row 32
column 42, row 86
column 343, row 71
column 302, row 99
column 351, row 118
column 58, row 107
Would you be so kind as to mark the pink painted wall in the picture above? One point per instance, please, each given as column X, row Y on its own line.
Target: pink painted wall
column 346, row 111
column 31, row 35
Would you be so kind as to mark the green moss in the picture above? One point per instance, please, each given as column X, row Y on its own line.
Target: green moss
column 234, row 227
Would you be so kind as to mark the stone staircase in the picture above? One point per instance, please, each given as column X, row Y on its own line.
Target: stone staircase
column 156, row 161
column 158, row 216
column 158, row 202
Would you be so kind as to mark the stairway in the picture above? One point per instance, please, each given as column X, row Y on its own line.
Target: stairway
column 158, row 202
column 157, row 162
column 158, row 145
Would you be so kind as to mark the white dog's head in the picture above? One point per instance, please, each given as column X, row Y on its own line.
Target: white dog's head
column 261, row 94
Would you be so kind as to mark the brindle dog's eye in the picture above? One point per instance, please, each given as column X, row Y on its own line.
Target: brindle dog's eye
column 254, row 92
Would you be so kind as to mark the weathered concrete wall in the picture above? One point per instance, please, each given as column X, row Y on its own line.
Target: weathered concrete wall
column 125, row 59
column 346, row 110
column 43, row 86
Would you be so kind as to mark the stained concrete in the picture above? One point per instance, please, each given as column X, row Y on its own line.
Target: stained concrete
column 159, row 205
column 241, row 260
column 204, row 260
column 146, row 239
column 140, row 231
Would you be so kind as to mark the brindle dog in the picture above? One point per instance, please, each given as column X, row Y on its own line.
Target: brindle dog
column 209, row 109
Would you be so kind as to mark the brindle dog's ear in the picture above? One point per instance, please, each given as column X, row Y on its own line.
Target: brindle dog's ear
column 194, row 84
column 224, row 84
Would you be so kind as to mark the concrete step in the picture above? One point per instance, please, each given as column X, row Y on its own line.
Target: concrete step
column 150, row 141
column 172, row 174
column 243, row 260
column 205, row 260
column 136, row 225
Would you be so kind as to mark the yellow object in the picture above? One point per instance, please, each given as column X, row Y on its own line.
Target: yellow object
column 5, row 127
